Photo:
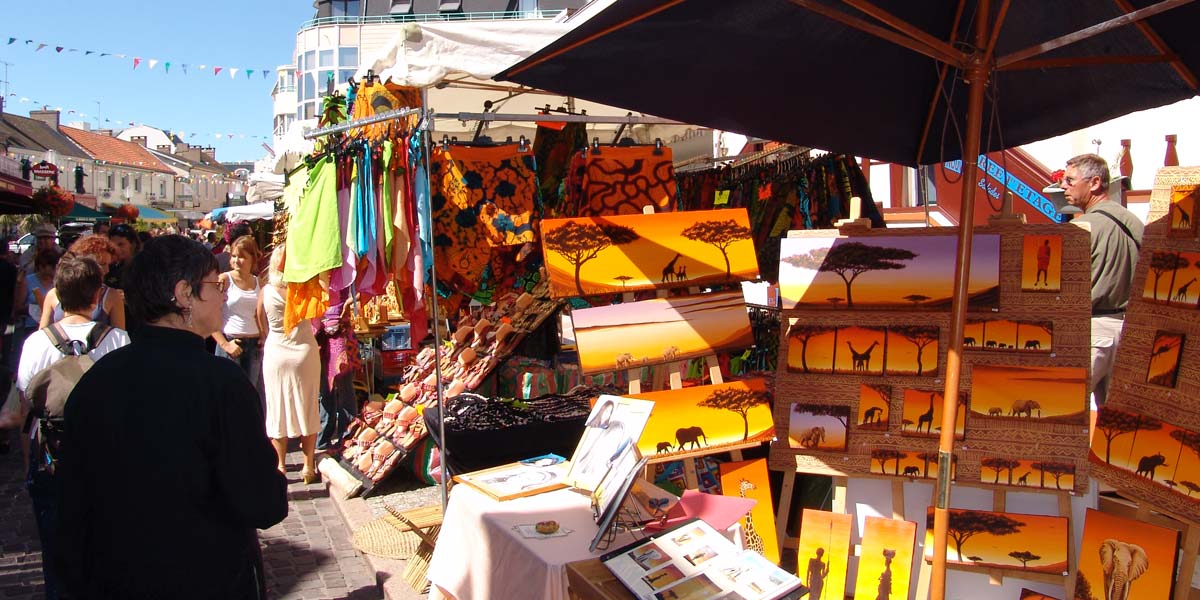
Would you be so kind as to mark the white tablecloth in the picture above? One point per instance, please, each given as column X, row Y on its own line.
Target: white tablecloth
column 480, row 557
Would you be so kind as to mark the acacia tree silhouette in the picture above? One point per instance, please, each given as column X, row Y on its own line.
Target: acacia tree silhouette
column 803, row 333
column 921, row 336
column 916, row 298
column 1025, row 557
column 721, row 234
column 1163, row 261
column 580, row 242
column 1115, row 423
column 1187, row 439
column 851, row 259
column 883, row 455
column 738, row 400
column 1000, row 464
column 841, row 413
column 1055, row 469
column 965, row 524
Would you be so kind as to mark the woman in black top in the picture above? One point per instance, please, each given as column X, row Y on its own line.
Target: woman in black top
column 166, row 468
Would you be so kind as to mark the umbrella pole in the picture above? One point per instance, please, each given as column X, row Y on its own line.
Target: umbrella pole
column 976, row 70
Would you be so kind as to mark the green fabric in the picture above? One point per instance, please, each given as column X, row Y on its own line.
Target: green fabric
column 313, row 241
column 296, row 184
column 387, row 200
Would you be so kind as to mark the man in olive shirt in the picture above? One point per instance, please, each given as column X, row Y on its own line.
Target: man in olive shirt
column 1116, row 241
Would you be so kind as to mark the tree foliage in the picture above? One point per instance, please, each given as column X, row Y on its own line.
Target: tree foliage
column 1163, row 261
column 1000, row 464
column 718, row 233
column 1114, row 423
column 920, row 336
column 1083, row 589
column 1055, row 469
column 738, row 400
column 883, row 455
column 1191, row 486
column 580, row 242
column 803, row 333
column 1024, row 556
column 965, row 524
column 851, row 259
column 841, row 413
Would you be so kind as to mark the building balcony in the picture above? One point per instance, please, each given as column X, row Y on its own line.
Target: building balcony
column 444, row 16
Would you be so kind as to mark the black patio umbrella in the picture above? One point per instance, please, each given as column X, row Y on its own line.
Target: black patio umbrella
column 897, row 80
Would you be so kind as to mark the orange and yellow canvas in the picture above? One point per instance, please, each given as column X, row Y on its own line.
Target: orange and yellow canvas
column 1182, row 212
column 1126, row 559
column 1041, row 263
column 1028, row 594
column 1163, row 368
column 660, row 330
column 606, row 255
column 885, row 564
column 1047, row 394
column 911, row 464
column 1172, row 278
column 822, row 553
column 706, row 417
column 874, row 404
column 858, row 351
column 998, row 540
column 818, row 426
column 1162, row 453
column 803, row 335
column 748, row 479
column 912, row 350
column 1044, row 474
column 1003, row 334
column 922, row 413
column 894, row 272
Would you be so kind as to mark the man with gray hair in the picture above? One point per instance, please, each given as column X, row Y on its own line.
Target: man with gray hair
column 1116, row 242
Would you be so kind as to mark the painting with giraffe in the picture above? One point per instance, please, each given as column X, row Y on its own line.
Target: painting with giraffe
column 824, row 347
column 611, row 255
column 749, row 479
column 1182, row 212
column 922, row 413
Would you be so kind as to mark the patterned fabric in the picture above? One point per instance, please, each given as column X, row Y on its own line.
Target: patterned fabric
column 620, row 180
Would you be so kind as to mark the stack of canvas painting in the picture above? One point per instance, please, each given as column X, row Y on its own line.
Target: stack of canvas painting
column 1147, row 440
column 866, row 318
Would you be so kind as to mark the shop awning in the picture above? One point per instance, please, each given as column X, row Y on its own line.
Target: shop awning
column 84, row 213
column 149, row 213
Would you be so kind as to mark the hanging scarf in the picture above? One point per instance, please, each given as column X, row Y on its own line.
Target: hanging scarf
column 620, row 180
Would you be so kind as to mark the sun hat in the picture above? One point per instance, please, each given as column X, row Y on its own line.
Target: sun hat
column 44, row 230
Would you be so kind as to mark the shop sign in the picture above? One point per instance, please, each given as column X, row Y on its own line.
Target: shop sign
column 1000, row 178
column 45, row 169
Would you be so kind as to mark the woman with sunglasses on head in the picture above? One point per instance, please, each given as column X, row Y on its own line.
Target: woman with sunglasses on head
column 240, row 337
column 110, row 310
column 164, row 458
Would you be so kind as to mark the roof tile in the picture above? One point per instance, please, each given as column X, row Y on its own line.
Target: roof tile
column 113, row 150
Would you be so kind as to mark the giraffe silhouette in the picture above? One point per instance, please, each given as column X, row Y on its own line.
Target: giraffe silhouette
column 1163, row 349
column 862, row 360
column 1185, row 220
column 681, row 274
column 668, row 272
column 1181, row 293
column 927, row 417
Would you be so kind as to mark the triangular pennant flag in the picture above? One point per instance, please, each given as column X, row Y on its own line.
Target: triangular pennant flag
column 153, row 62
column 184, row 67
column 119, row 55
column 72, row 49
column 217, row 70
column 167, row 67
column 202, row 67
column 249, row 72
column 103, row 54
column 58, row 48
column 136, row 61
column 233, row 72
column 264, row 72
column 11, row 40
column 40, row 46
column 87, row 52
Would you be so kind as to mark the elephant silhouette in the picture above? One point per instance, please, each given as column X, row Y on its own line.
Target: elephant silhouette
column 1147, row 464
column 689, row 435
column 995, row 411
column 813, row 437
column 1122, row 563
column 913, row 471
column 624, row 359
column 663, row 447
column 968, row 341
column 1033, row 345
column 872, row 415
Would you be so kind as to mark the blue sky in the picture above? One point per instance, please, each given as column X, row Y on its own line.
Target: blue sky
column 250, row 34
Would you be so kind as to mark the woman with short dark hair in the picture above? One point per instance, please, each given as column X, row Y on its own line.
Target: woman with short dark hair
column 168, row 507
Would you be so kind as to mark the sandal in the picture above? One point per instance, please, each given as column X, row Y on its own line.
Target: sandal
column 310, row 476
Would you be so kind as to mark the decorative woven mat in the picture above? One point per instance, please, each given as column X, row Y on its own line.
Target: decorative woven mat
column 386, row 536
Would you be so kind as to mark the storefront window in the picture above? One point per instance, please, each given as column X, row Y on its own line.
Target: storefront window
column 310, row 60
column 348, row 56
column 310, row 87
column 325, row 58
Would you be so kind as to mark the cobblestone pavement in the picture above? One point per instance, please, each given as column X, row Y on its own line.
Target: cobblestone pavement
column 308, row 556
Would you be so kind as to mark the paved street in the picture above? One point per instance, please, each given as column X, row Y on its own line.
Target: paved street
column 307, row 556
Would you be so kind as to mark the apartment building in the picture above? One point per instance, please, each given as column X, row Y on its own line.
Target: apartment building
column 31, row 140
column 123, row 172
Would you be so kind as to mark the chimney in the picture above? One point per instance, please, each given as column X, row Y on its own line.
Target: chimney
column 182, row 147
column 139, row 140
column 192, row 153
column 164, row 148
column 209, row 153
column 105, row 132
column 49, row 117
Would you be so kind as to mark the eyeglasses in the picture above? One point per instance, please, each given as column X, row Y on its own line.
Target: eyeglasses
column 1070, row 181
column 221, row 284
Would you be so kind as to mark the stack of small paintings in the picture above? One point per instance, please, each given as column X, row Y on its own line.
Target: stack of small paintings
column 1122, row 559
column 1005, row 334
column 1030, row 394
column 885, row 565
column 997, row 540
column 862, row 350
column 1153, row 451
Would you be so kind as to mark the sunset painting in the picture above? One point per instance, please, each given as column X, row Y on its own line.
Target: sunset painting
column 1146, row 552
column 858, row 351
column 874, row 403
column 1002, row 334
column 1028, row 594
column 1163, row 453
column 822, row 553
column 912, row 350
column 885, row 272
column 818, row 426
column 923, row 414
column 1029, row 394
column 1164, row 358
column 748, row 479
column 885, row 563
column 1172, row 278
column 706, row 417
column 1182, row 212
column 1044, row 474
column 660, row 330
column 911, row 464
column 1041, row 263
column 1000, row 540
column 606, row 255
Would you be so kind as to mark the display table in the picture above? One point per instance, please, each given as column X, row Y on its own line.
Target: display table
column 479, row 556
column 591, row 580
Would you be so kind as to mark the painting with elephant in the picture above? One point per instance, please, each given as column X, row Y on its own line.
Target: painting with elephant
column 706, row 419
column 1030, row 393
column 1154, row 454
column 1125, row 559
column 818, row 426
column 1008, row 335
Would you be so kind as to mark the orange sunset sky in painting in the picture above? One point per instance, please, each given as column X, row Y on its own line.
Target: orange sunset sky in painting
column 1032, row 245
column 1170, row 282
column 1060, row 392
column 1164, row 358
column 930, row 274
column 1160, row 545
column 643, row 260
column 830, row 531
column 879, row 535
column 912, row 464
column 763, row 514
column 799, row 423
column 1034, row 477
column 1014, row 334
column 877, row 397
column 1044, row 536
column 1183, row 203
column 1180, row 468
column 674, row 409
column 917, row 403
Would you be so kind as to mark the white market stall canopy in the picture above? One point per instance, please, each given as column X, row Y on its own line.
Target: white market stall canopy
column 248, row 212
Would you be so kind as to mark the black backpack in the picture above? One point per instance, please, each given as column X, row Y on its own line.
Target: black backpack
column 48, row 391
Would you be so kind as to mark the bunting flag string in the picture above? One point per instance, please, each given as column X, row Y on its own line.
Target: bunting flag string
column 150, row 62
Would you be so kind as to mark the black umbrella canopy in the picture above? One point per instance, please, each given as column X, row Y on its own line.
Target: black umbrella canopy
column 806, row 72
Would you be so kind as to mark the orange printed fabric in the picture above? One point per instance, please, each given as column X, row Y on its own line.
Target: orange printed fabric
column 622, row 180
column 304, row 301
column 481, row 197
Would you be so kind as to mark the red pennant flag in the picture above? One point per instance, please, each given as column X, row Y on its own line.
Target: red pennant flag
column 217, row 70
column 136, row 61
column 58, row 48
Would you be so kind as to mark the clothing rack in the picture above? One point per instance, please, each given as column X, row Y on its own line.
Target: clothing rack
column 351, row 124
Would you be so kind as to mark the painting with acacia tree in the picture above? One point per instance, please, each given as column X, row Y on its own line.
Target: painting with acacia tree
column 706, row 418
column 912, row 350
column 997, row 540
column 1172, row 278
column 1163, row 368
column 885, row 272
column 818, row 426
column 1043, row 474
column 913, row 464
column 605, row 255
column 1155, row 452
column 874, row 406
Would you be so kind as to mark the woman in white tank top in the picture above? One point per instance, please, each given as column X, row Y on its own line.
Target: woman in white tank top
column 241, row 335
